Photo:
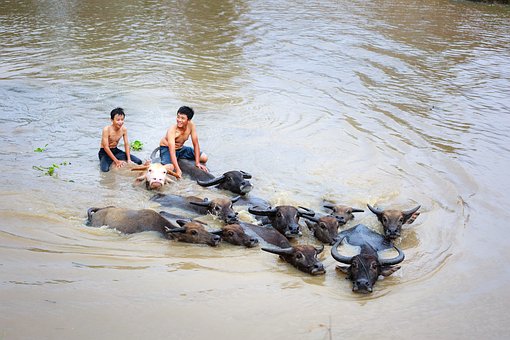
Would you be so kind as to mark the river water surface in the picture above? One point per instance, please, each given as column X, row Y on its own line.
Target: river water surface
column 391, row 103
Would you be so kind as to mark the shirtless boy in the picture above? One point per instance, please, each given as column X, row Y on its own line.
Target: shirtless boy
column 172, row 148
column 109, row 153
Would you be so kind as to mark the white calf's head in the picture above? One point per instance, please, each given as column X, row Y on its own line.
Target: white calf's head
column 155, row 175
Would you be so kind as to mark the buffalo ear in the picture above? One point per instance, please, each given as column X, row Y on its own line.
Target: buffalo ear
column 387, row 271
column 343, row 269
column 412, row 218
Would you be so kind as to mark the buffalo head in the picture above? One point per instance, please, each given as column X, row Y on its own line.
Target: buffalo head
column 325, row 228
column 221, row 207
column 234, row 181
column 192, row 232
column 365, row 268
column 155, row 175
column 342, row 213
column 235, row 234
column 392, row 220
column 303, row 257
column 284, row 218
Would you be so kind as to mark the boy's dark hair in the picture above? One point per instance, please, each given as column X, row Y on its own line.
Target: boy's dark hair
column 117, row 111
column 186, row 110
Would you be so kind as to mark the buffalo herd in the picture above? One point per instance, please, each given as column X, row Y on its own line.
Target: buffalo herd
column 277, row 230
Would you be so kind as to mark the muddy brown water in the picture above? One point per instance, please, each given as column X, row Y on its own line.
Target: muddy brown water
column 392, row 103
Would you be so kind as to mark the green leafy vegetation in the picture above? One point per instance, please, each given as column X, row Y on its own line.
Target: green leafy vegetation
column 136, row 145
column 41, row 149
column 50, row 170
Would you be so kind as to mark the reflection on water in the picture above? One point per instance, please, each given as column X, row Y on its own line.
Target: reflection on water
column 387, row 103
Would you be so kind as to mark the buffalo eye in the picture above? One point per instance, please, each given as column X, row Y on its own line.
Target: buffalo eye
column 217, row 208
column 299, row 256
column 354, row 264
column 279, row 214
column 373, row 266
column 322, row 225
column 230, row 233
column 385, row 219
column 401, row 220
column 194, row 232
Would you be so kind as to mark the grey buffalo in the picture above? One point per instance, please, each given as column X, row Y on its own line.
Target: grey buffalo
column 284, row 218
column 221, row 207
column 393, row 219
column 365, row 267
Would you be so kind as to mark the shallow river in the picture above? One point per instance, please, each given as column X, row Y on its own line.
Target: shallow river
column 391, row 103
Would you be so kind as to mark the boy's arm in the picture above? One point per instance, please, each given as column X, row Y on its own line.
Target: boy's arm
column 196, row 148
column 126, row 145
column 106, row 147
column 170, row 137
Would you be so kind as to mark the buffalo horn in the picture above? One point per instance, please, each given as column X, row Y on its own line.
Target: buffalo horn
column 357, row 210
column 140, row 168
column 212, row 181
column 374, row 210
column 280, row 251
column 305, row 212
column 266, row 212
column 329, row 206
column 411, row 211
column 204, row 203
column 319, row 249
column 336, row 255
column 389, row 262
column 245, row 174
column 235, row 199
column 315, row 219
column 175, row 230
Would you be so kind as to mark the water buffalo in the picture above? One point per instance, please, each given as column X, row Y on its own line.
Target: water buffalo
column 303, row 257
column 324, row 228
column 393, row 219
column 284, row 218
column 365, row 268
column 236, row 235
column 342, row 213
column 266, row 234
column 131, row 221
column 233, row 181
column 220, row 207
column 155, row 175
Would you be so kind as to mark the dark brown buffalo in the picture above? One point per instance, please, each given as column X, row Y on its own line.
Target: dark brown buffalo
column 193, row 232
column 266, row 234
column 284, row 218
column 324, row 228
column 393, row 219
column 131, row 221
column 303, row 257
column 343, row 213
column 236, row 235
column 220, row 207
column 365, row 268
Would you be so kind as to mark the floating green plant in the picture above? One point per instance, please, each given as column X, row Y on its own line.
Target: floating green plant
column 41, row 149
column 136, row 145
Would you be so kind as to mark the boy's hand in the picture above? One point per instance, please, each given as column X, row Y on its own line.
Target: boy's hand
column 120, row 164
column 179, row 173
column 202, row 167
